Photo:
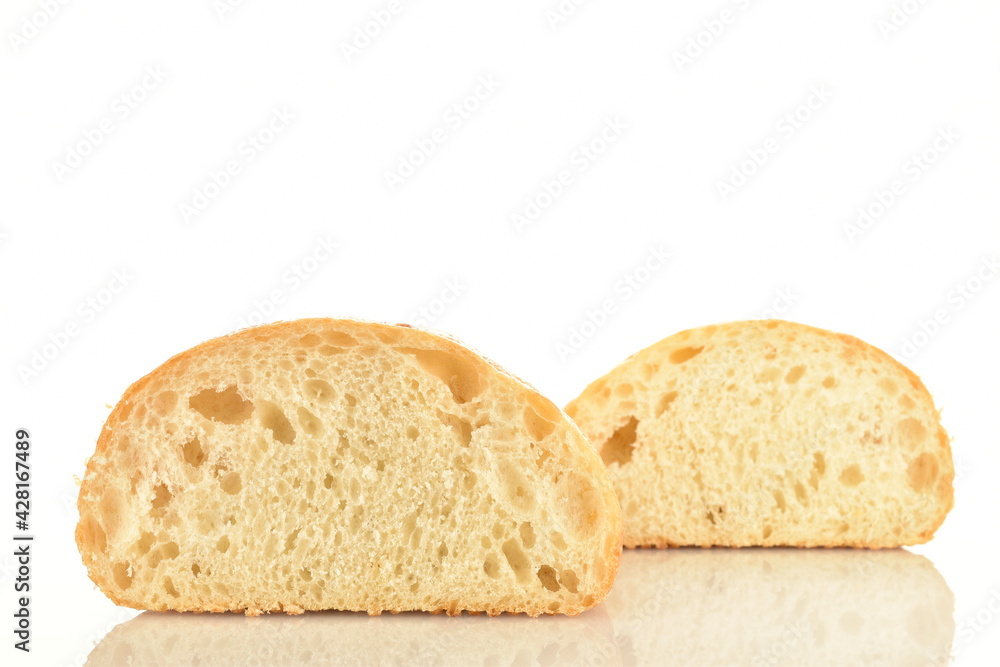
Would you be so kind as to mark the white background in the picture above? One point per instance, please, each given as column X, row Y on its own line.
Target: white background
column 893, row 78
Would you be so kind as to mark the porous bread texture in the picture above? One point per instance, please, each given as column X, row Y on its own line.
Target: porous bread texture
column 762, row 607
column 769, row 433
column 167, row 639
column 335, row 464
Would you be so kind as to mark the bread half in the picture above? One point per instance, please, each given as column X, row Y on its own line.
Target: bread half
column 335, row 464
column 769, row 433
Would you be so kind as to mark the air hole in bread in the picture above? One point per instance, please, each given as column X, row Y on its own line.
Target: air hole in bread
column 226, row 406
column 231, row 483
column 518, row 560
column 168, row 586
column 715, row 514
column 460, row 426
column 665, row 402
column 292, row 537
column 585, row 503
column 310, row 340
column 851, row 475
column 111, row 509
column 679, row 356
column 350, row 400
column 145, row 543
column 770, row 374
column 339, row 338
column 779, row 498
column 161, row 498
column 164, row 403
column 539, row 427
column 624, row 389
column 310, row 424
column 319, row 390
column 543, row 456
column 800, row 493
column 569, row 580
column 498, row 530
column 468, row 478
column 194, row 455
column 122, row 573
column 517, row 486
column 923, row 472
column 92, row 535
column 527, row 535
column 618, row 448
column 412, row 432
column 491, row 566
column 911, row 432
column 167, row 551
column 888, row 386
column 547, row 575
column 767, row 532
column 409, row 524
column 829, row 381
column 222, row 546
column 795, row 374
column 819, row 463
column 274, row 420
column 458, row 373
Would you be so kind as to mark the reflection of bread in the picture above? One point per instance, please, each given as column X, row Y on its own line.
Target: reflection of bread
column 769, row 433
column 335, row 638
column 780, row 607
column 325, row 464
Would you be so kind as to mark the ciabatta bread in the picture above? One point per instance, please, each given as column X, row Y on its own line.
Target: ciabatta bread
column 334, row 464
column 769, row 433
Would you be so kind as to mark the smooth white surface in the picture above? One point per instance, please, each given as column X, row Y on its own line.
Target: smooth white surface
column 777, row 244
column 678, row 606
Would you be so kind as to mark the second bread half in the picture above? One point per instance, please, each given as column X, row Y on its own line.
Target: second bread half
column 769, row 433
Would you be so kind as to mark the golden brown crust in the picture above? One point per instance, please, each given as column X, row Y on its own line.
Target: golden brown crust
column 386, row 333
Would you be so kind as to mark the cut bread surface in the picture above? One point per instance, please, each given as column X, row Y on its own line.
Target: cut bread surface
column 335, row 464
column 769, row 433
